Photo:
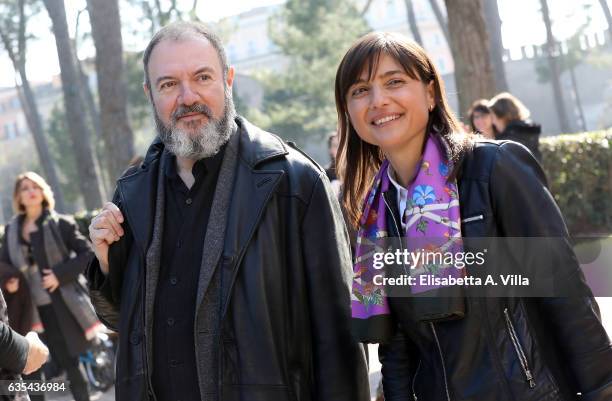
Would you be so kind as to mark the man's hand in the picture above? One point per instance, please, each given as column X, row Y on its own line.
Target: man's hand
column 50, row 281
column 105, row 229
column 37, row 353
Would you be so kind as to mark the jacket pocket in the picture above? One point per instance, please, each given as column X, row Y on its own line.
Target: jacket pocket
column 518, row 348
column 257, row 392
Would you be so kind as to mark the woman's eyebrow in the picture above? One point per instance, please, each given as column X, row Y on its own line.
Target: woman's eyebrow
column 383, row 75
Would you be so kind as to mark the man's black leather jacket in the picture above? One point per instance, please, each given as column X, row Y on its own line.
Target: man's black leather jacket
column 286, row 274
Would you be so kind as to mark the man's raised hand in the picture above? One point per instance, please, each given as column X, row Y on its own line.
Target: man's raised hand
column 105, row 229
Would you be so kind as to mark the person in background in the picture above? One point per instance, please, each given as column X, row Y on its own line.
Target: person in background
column 332, row 148
column 481, row 121
column 330, row 170
column 18, row 354
column 409, row 173
column 20, row 312
column 51, row 253
column 511, row 120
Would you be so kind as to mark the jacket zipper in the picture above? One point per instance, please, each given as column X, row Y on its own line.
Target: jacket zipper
column 433, row 329
column 473, row 218
column 432, row 325
column 414, row 381
column 519, row 350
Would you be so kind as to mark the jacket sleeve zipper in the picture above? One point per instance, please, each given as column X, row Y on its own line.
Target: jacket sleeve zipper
column 414, row 381
column 473, row 218
column 433, row 329
column 519, row 350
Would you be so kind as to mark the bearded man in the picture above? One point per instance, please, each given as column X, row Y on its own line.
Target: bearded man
column 222, row 261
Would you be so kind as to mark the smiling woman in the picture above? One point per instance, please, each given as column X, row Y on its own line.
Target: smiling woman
column 408, row 172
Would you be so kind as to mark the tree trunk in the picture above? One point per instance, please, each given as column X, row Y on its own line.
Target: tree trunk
column 606, row 11
column 555, row 71
column 412, row 22
column 75, row 115
column 366, row 8
column 116, row 131
column 583, row 124
column 440, row 17
column 17, row 54
column 496, row 46
column 93, row 114
column 470, row 48
column 40, row 140
column 94, row 119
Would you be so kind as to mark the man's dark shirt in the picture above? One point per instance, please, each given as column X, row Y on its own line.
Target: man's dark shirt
column 186, row 218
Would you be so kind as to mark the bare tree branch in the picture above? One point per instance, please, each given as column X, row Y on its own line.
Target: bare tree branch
column 366, row 7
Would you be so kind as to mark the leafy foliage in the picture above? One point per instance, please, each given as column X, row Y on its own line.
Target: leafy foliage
column 314, row 35
column 579, row 170
column 60, row 146
column 138, row 104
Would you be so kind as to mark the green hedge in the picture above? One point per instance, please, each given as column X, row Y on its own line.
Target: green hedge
column 579, row 170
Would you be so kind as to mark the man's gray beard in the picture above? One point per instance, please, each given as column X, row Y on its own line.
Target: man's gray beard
column 207, row 140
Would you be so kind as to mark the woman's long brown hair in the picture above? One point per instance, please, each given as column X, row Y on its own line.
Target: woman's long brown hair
column 357, row 160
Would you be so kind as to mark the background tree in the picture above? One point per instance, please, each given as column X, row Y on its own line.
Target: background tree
column 13, row 22
column 470, row 48
column 552, row 51
column 496, row 47
column 607, row 14
column 412, row 22
column 158, row 13
column 437, row 10
column 138, row 104
column 314, row 35
column 59, row 141
column 93, row 112
column 112, row 94
column 568, row 62
column 75, row 113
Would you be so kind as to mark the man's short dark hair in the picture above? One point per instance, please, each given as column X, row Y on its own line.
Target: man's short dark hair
column 179, row 31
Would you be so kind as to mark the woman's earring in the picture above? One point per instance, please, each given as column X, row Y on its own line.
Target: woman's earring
column 431, row 107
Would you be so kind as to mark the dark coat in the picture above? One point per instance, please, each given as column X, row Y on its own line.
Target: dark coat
column 13, row 347
column 525, row 133
column 502, row 193
column 285, row 282
column 19, row 304
column 67, row 272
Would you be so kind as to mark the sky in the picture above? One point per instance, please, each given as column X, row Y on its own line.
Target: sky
column 522, row 25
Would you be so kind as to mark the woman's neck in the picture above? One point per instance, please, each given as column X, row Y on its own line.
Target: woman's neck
column 404, row 160
column 33, row 213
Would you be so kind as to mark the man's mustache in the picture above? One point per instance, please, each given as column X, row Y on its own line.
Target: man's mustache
column 194, row 108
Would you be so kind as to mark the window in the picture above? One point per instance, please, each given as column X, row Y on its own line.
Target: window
column 232, row 53
column 8, row 129
column 252, row 48
column 441, row 65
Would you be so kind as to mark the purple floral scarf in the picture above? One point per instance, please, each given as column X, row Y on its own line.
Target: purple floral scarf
column 432, row 222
